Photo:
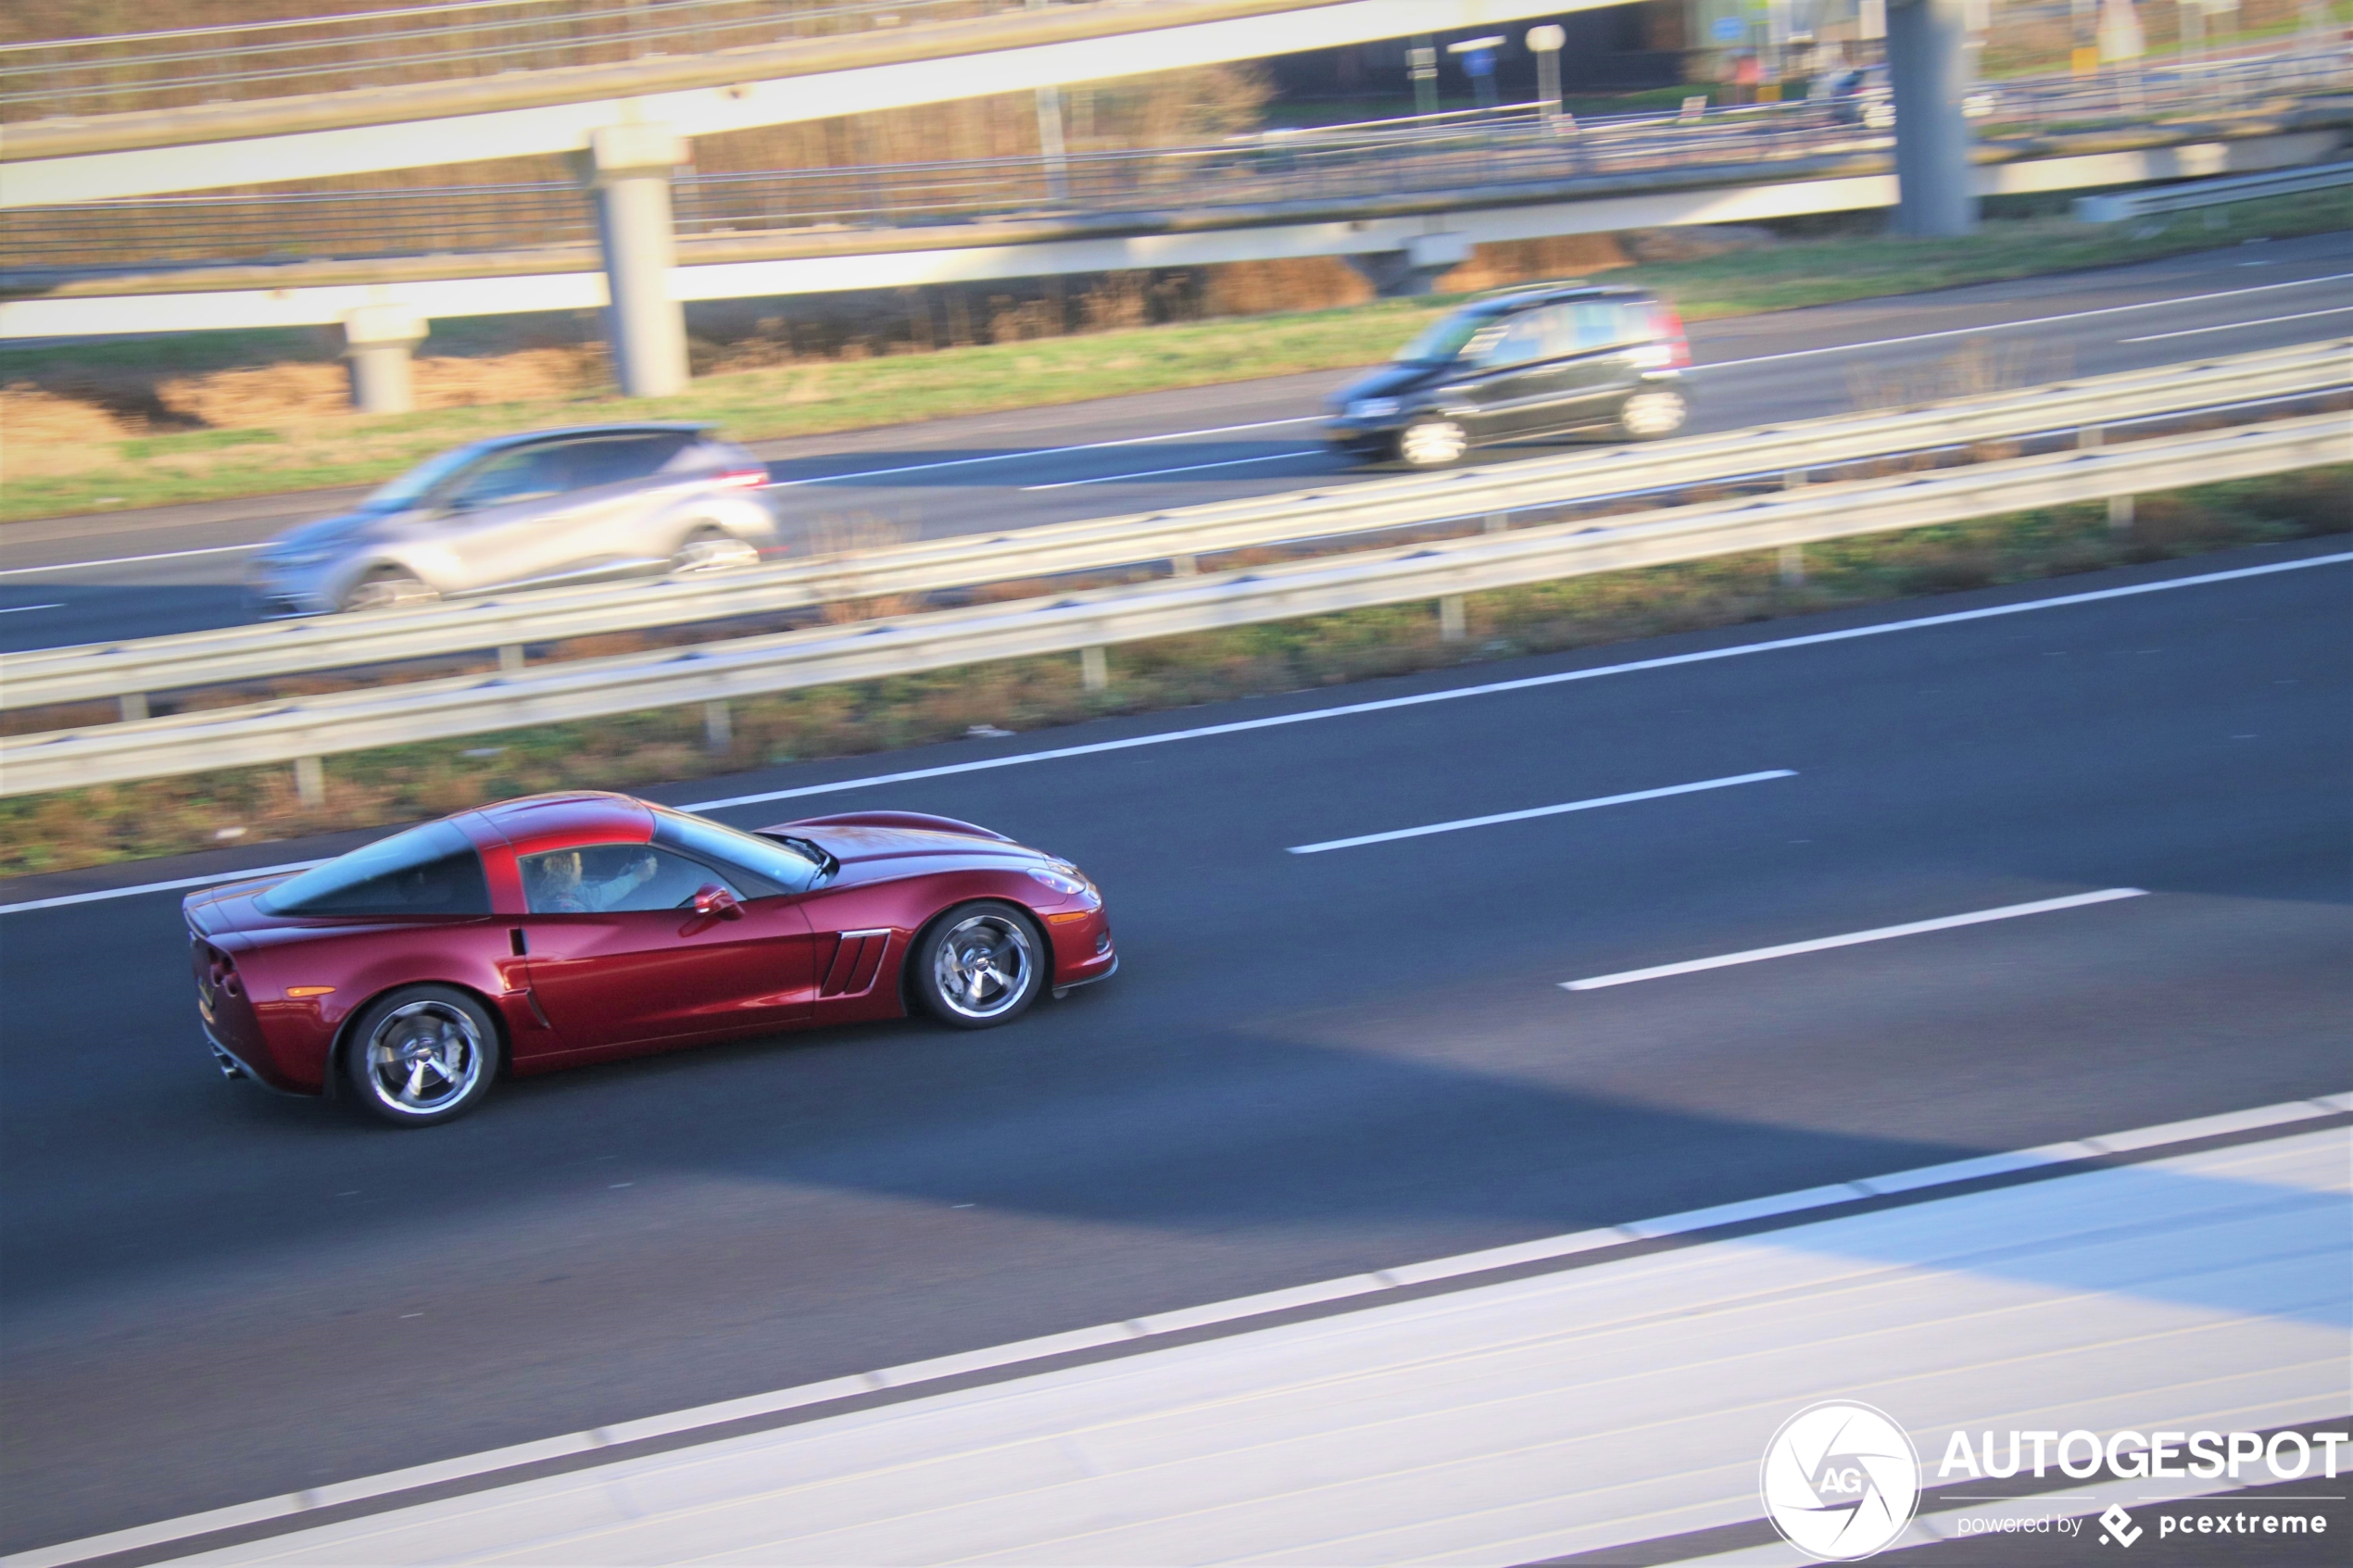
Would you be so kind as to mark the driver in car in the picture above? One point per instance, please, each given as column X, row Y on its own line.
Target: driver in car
column 564, row 888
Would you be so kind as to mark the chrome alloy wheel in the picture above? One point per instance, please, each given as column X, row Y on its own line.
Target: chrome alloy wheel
column 1429, row 444
column 983, row 967
column 389, row 590
column 424, row 1058
column 1651, row 414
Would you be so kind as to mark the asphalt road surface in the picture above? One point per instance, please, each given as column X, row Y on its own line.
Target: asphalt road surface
column 179, row 567
column 1311, row 1065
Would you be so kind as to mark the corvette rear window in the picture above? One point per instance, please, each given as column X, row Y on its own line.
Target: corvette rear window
column 431, row 870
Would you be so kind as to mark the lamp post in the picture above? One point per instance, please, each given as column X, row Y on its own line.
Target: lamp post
column 1545, row 43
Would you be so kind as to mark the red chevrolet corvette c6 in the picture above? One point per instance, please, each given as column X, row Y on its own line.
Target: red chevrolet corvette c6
column 561, row 929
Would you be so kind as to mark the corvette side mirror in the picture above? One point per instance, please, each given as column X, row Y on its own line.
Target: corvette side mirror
column 712, row 899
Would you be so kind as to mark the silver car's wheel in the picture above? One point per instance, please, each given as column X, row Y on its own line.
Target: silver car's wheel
column 421, row 1056
column 1429, row 444
column 712, row 549
column 1651, row 414
column 388, row 589
column 979, row 966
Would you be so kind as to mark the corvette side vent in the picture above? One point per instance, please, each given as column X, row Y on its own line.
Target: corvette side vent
column 857, row 960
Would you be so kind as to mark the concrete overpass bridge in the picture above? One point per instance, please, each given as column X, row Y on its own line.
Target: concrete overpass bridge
column 628, row 125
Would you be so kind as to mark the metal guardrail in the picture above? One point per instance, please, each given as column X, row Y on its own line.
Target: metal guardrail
column 2127, row 205
column 134, row 669
column 1516, row 144
column 304, row 730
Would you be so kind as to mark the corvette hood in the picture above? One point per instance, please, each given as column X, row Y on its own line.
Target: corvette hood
column 879, row 848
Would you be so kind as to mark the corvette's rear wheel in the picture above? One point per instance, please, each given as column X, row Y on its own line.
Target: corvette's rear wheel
column 711, row 548
column 421, row 1056
column 979, row 966
column 387, row 587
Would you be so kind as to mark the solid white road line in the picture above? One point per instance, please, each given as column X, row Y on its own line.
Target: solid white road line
column 1885, row 933
column 61, row 901
column 1461, row 1265
column 1188, row 467
column 2233, row 326
column 127, row 561
column 1044, row 452
column 2028, row 321
column 19, row 609
column 1528, row 682
column 1535, row 811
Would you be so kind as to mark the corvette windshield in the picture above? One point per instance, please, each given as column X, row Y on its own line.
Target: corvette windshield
column 785, row 869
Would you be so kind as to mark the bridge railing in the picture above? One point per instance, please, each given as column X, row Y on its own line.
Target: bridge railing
column 1517, row 144
column 451, row 39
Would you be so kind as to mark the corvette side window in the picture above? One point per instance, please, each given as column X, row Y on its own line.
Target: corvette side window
column 614, row 879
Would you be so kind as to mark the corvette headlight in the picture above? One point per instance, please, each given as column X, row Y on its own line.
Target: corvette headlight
column 1372, row 407
column 1060, row 882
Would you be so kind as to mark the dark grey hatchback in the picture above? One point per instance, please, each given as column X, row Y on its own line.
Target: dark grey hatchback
column 1528, row 362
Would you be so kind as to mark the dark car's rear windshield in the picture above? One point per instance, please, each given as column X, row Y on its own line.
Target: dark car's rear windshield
column 431, row 870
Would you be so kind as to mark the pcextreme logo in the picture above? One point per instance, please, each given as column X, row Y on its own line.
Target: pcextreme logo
column 1840, row 1481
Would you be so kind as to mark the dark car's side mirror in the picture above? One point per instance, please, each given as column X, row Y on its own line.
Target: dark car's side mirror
column 712, row 899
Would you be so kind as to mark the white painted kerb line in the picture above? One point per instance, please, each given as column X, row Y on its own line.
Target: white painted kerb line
column 1534, row 811
column 1945, row 922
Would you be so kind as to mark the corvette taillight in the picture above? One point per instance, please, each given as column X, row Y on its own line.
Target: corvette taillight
column 742, row 479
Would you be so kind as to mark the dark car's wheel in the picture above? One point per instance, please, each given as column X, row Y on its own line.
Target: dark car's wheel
column 421, row 1056
column 979, row 965
column 1431, row 443
column 1652, row 412
column 711, row 548
column 387, row 587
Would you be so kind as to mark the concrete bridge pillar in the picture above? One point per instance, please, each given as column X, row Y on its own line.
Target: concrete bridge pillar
column 1414, row 270
column 627, row 170
column 378, row 340
column 1928, row 66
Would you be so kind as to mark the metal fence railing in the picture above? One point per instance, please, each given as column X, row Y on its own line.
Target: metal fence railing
column 1548, row 489
column 303, row 730
column 446, row 40
column 1510, row 145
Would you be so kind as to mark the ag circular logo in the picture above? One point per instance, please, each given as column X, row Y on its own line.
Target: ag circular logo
column 1840, row 1481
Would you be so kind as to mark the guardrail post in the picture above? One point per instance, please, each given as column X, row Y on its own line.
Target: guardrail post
column 1792, row 565
column 378, row 340
column 627, row 169
column 310, row 781
column 718, row 725
column 132, row 706
column 1094, row 670
column 1183, row 565
column 1497, row 522
column 511, row 660
column 2120, row 514
column 1453, row 624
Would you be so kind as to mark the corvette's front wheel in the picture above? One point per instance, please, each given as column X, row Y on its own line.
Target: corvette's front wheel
column 979, row 966
column 421, row 1056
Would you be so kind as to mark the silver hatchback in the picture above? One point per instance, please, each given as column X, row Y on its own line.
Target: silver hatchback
column 519, row 512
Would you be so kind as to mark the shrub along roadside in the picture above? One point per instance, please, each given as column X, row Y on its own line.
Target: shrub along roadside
column 71, row 828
